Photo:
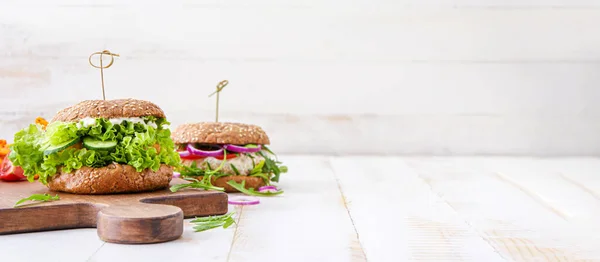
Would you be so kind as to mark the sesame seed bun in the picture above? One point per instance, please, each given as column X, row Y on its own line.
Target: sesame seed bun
column 108, row 109
column 219, row 133
column 111, row 179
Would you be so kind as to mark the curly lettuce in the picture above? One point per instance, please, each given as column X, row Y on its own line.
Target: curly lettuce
column 144, row 145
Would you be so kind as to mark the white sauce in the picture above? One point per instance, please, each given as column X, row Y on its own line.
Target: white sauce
column 88, row 121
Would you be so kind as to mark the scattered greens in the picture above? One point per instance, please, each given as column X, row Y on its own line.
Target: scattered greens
column 234, row 169
column 38, row 197
column 272, row 167
column 192, row 173
column 210, row 222
column 242, row 188
column 263, row 176
column 257, row 171
column 220, row 166
column 258, row 167
column 268, row 150
column 203, row 183
column 141, row 145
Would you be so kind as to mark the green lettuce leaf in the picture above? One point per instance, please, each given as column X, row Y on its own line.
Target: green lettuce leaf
column 26, row 151
column 58, row 133
column 140, row 145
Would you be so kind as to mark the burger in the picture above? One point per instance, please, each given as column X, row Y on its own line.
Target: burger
column 226, row 156
column 99, row 147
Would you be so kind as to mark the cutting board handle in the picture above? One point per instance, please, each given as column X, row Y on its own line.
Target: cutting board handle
column 140, row 223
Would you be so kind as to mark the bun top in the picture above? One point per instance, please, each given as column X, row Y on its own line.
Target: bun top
column 219, row 133
column 108, row 109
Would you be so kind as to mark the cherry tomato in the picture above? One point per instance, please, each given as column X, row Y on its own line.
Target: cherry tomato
column 229, row 156
column 192, row 157
column 8, row 172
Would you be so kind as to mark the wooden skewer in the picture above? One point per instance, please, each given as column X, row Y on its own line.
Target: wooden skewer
column 220, row 87
column 102, row 67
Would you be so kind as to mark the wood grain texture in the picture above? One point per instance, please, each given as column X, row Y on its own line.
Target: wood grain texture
column 141, row 223
column 121, row 218
column 520, row 206
column 390, row 208
column 212, row 245
column 399, row 217
column 52, row 245
column 309, row 222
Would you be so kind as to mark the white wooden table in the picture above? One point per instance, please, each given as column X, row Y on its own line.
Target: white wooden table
column 382, row 209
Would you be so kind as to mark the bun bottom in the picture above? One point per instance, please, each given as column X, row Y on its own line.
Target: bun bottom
column 251, row 182
column 112, row 179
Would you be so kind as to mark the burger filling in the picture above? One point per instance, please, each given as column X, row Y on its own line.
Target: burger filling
column 241, row 165
column 261, row 163
column 139, row 142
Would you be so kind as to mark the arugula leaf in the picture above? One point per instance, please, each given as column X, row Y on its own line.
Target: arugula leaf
column 258, row 168
column 204, row 183
column 38, row 197
column 283, row 169
column 210, row 222
column 235, row 169
column 265, row 177
column 212, row 218
column 194, row 171
column 252, row 159
column 228, row 223
column 191, row 171
column 221, row 165
column 242, row 188
column 268, row 150
column 270, row 166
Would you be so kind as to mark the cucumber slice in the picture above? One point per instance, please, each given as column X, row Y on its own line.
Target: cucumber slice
column 91, row 143
column 56, row 148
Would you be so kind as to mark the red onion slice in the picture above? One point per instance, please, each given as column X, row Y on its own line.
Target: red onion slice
column 241, row 149
column 184, row 153
column 198, row 152
column 264, row 189
column 243, row 200
column 176, row 174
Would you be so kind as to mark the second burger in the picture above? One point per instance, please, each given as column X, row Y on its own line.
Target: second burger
column 219, row 152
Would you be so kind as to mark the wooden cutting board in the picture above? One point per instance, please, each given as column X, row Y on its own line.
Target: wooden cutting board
column 151, row 217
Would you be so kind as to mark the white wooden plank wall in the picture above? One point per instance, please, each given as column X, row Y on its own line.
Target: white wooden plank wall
column 329, row 77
